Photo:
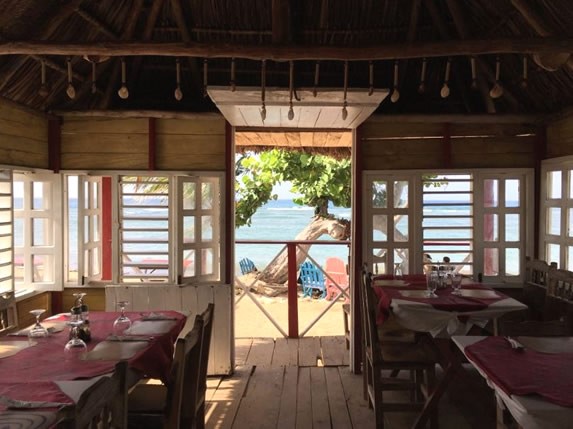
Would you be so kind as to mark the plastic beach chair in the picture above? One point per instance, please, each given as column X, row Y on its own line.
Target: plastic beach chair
column 311, row 278
column 247, row 266
column 336, row 270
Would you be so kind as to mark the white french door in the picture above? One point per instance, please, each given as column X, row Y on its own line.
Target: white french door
column 89, row 228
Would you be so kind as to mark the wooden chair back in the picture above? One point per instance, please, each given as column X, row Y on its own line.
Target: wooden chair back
column 535, row 328
column 199, row 408
column 559, row 298
column 535, row 286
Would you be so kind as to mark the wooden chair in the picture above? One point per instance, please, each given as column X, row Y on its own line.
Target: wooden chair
column 418, row 359
column 558, row 304
column 311, row 278
column 335, row 269
column 535, row 286
column 174, row 406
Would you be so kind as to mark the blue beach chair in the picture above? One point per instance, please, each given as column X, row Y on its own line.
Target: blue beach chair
column 247, row 266
column 311, row 278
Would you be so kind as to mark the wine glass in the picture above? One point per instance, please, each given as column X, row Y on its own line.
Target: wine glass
column 37, row 332
column 122, row 323
column 432, row 280
column 76, row 348
column 456, row 283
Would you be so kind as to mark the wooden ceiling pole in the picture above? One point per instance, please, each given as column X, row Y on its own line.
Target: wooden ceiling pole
column 102, row 27
column 65, row 12
column 186, row 37
column 412, row 28
column 129, row 30
column 535, row 22
column 281, row 22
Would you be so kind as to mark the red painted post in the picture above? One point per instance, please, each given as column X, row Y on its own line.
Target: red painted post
column 292, row 292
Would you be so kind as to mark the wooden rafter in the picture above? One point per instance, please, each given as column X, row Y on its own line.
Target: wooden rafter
column 186, row 37
column 101, row 26
column 294, row 52
column 282, row 22
column 66, row 10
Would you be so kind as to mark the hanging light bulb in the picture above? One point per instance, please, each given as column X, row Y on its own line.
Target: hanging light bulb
column 445, row 91
column 371, row 77
column 474, row 74
column 497, row 90
column 422, row 86
column 94, row 87
column 316, row 77
column 70, row 90
column 232, row 83
column 524, row 76
column 263, row 90
column 178, row 94
column 123, row 92
column 43, row 91
column 290, row 115
column 345, row 104
column 205, row 65
column 395, row 93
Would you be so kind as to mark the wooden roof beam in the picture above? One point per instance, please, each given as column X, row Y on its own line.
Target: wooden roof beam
column 387, row 51
column 537, row 24
column 177, row 11
column 101, row 26
column 282, row 22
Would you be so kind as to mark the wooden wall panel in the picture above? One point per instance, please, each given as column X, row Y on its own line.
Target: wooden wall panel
column 560, row 137
column 42, row 300
column 191, row 144
column 23, row 137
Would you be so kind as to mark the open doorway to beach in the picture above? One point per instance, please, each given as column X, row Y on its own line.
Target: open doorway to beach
column 292, row 211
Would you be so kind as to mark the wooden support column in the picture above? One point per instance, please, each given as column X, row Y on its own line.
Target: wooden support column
column 356, row 253
column 540, row 155
column 106, row 229
column 54, row 144
column 292, row 292
column 229, row 202
column 447, row 142
column 152, row 144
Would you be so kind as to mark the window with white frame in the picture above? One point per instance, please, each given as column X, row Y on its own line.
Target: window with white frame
column 37, row 230
column 6, row 232
column 169, row 228
column 556, row 212
column 477, row 218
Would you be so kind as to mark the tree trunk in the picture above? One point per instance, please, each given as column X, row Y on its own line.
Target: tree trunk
column 277, row 272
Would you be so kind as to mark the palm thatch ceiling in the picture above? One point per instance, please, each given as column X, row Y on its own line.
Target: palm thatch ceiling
column 223, row 43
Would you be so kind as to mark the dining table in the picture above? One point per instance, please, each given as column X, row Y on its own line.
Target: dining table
column 39, row 384
column 441, row 316
column 530, row 376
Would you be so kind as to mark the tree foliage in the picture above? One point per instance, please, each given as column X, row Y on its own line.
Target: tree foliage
column 318, row 179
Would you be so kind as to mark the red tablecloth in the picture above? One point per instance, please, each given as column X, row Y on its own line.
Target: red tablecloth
column 525, row 372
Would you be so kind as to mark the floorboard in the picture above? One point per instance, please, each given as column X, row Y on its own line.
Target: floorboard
column 319, row 399
column 223, row 405
column 309, row 351
column 286, row 352
column 304, row 396
column 242, row 348
column 334, row 352
column 261, row 353
column 339, row 415
column 288, row 399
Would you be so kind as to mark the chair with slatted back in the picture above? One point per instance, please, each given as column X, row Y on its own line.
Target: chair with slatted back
column 559, row 298
column 418, row 359
column 156, row 405
column 312, row 279
column 535, row 286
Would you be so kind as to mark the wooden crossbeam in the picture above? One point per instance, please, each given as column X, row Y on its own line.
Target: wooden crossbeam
column 387, row 51
column 102, row 27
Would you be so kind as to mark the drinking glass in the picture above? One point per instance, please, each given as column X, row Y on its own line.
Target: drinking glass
column 76, row 348
column 122, row 323
column 456, row 283
column 432, row 280
column 37, row 332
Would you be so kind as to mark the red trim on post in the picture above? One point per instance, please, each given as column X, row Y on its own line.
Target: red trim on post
column 229, row 201
column 540, row 155
column 292, row 292
column 54, row 144
column 152, row 136
column 106, row 252
column 357, row 250
column 447, row 145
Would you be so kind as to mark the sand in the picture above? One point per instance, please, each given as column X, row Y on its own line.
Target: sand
column 251, row 322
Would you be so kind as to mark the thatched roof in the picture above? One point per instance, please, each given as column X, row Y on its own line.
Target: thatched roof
column 152, row 34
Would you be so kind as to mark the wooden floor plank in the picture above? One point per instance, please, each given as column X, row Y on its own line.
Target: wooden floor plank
column 224, row 403
column 333, row 350
column 288, row 400
column 242, row 349
column 261, row 353
column 303, row 398
column 259, row 407
column 361, row 416
column 308, row 351
column 286, row 352
column 319, row 398
column 339, row 414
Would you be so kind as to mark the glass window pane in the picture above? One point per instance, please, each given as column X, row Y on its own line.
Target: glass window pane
column 554, row 220
column 379, row 194
column 95, row 228
column 491, row 262
column 512, row 193
column 206, row 195
column 512, row 227
column 18, row 268
column 569, row 258
column 43, row 271
column 379, row 227
column 402, row 259
column 490, row 193
column 189, row 196
column 95, row 265
column 206, row 228
column 379, row 261
column 400, row 194
column 490, row 227
column 553, row 253
column 189, row 263
column 87, row 194
column 512, row 262
column 206, row 261
column 18, row 232
column 41, row 232
column 554, row 184
column 95, row 195
column 188, row 229
column 18, row 195
column 40, row 196
column 570, row 184
column 401, row 229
